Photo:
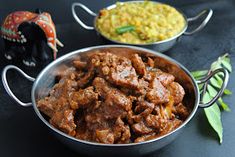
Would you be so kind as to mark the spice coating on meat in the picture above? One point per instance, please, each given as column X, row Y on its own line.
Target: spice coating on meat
column 158, row 94
column 138, row 64
column 115, row 69
column 65, row 121
column 114, row 99
column 82, row 97
column 177, row 91
column 115, row 102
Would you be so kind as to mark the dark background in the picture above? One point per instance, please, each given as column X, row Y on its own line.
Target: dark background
column 23, row 134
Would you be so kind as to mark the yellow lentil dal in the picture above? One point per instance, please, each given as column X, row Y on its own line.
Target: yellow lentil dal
column 152, row 22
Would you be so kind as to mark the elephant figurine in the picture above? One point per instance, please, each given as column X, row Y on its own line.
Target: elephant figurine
column 28, row 34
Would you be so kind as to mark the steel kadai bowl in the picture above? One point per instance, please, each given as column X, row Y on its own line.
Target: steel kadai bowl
column 159, row 46
column 46, row 79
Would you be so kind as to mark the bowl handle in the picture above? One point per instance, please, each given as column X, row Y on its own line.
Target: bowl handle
column 209, row 13
column 220, row 92
column 7, row 88
column 78, row 19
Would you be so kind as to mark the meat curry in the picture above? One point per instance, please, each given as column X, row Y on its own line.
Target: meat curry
column 115, row 99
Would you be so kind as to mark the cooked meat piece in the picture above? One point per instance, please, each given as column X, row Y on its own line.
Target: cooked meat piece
column 116, row 105
column 57, row 100
column 164, row 112
column 121, row 131
column 100, row 60
column 138, row 64
column 95, row 121
column 115, row 97
column 115, row 69
column 46, row 105
column 150, row 62
column 130, row 117
column 169, row 126
column 99, row 118
column 108, row 110
column 115, row 100
column 97, row 104
column 139, row 117
column 164, row 78
column 127, row 91
column 142, row 105
column 124, row 76
column 104, row 136
column 143, row 86
column 101, row 86
column 64, row 120
column 126, row 134
column 145, row 137
column 158, row 94
column 66, row 72
column 118, row 133
column 110, row 97
column 83, row 81
column 155, row 83
column 177, row 91
column 83, row 134
column 149, row 75
column 154, row 121
column 141, row 128
column 181, row 111
column 63, row 88
column 80, row 65
column 83, row 97
column 156, row 110
column 142, row 109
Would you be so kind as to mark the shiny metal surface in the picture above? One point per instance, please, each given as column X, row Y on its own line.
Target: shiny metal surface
column 7, row 88
column 208, row 12
column 46, row 79
column 159, row 46
column 220, row 92
column 78, row 19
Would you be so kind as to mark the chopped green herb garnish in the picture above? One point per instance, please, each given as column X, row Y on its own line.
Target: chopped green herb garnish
column 124, row 29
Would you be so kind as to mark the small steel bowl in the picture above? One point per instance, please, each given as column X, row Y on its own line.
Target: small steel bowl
column 46, row 80
column 159, row 46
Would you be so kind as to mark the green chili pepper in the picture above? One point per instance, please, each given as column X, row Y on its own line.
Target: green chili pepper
column 125, row 29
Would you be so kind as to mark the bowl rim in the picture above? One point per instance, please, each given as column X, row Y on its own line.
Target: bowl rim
column 84, row 50
column 144, row 44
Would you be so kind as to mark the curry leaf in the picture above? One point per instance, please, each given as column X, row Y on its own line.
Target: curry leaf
column 200, row 87
column 223, row 61
column 219, row 79
column 199, row 74
column 215, row 83
column 213, row 112
column 215, row 66
column 214, row 116
column 212, row 92
column 227, row 92
column 227, row 65
column 224, row 105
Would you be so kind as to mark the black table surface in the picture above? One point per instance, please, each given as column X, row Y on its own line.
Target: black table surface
column 23, row 134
